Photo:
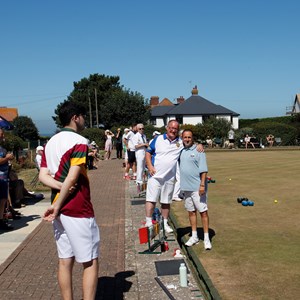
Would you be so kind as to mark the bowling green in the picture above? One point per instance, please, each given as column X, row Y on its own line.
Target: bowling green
column 256, row 250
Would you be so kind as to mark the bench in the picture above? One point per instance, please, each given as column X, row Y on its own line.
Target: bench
column 254, row 141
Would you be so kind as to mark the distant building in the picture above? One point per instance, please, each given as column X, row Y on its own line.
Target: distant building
column 193, row 110
column 9, row 113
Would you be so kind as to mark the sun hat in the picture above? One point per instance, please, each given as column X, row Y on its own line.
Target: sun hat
column 39, row 148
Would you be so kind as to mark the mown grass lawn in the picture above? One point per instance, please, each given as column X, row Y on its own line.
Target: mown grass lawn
column 256, row 250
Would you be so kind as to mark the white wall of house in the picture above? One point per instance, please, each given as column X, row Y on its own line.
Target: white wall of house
column 235, row 123
column 296, row 108
column 235, row 120
column 159, row 122
column 193, row 120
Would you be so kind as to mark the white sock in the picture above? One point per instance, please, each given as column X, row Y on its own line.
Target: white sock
column 206, row 236
column 194, row 234
column 165, row 221
column 148, row 220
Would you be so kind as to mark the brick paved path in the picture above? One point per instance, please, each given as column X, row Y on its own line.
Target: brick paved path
column 30, row 272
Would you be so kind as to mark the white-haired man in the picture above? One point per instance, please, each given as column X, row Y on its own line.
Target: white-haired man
column 140, row 143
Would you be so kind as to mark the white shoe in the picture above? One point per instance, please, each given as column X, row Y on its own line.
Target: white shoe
column 168, row 229
column 176, row 199
column 192, row 241
column 148, row 224
column 207, row 245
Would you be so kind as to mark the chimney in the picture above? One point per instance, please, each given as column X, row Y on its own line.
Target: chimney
column 154, row 101
column 195, row 90
column 180, row 100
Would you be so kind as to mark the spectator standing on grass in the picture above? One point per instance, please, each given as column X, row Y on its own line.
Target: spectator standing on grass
column 231, row 138
column 161, row 159
column 63, row 169
column 193, row 172
column 5, row 160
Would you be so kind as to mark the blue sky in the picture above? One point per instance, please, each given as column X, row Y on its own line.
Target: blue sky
column 241, row 54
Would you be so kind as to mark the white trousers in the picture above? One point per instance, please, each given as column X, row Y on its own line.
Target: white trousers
column 177, row 184
column 140, row 166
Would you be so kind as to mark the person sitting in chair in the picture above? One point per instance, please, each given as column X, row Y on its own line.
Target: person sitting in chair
column 209, row 142
column 270, row 140
column 248, row 141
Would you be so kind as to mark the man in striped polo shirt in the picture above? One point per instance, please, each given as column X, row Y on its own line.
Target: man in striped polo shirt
column 63, row 169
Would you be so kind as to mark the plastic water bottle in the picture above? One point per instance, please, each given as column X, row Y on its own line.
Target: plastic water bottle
column 183, row 275
column 156, row 214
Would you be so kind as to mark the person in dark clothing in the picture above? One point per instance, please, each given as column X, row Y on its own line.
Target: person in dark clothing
column 119, row 146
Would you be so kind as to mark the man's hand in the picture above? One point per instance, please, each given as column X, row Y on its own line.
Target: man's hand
column 200, row 148
column 51, row 213
column 201, row 190
column 10, row 156
column 151, row 170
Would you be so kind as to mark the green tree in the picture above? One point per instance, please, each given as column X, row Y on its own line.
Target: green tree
column 215, row 128
column 25, row 128
column 104, row 96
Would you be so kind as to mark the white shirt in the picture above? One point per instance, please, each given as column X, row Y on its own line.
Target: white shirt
column 165, row 154
column 129, row 137
column 139, row 139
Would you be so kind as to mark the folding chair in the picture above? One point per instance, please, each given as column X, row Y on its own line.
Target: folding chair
column 278, row 141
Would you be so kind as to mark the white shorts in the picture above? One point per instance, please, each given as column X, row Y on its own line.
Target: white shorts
column 76, row 237
column 193, row 201
column 158, row 189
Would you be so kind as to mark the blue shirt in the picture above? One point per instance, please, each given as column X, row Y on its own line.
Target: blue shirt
column 192, row 163
column 3, row 167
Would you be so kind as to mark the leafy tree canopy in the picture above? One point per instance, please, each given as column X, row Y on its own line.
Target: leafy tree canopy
column 107, row 102
column 25, row 128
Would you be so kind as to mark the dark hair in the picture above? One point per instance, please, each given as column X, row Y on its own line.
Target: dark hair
column 187, row 130
column 68, row 110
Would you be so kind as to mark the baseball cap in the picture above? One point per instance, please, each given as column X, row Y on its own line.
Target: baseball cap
column 156, row 133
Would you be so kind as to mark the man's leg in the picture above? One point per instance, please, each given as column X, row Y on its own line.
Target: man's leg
column 65, row 268
column 165, row 210
column 2, row 207
column 193, row 220
column 205, row 221
column 205, row 224
column 90, row 279
column 149, row 208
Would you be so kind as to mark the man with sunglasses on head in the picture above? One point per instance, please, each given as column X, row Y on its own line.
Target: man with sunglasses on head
column 63, row 169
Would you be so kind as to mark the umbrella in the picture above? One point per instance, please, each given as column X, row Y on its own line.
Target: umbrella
column 4, row 124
